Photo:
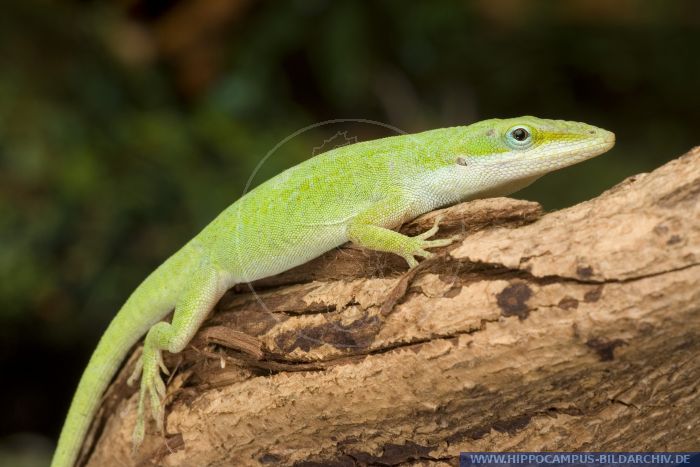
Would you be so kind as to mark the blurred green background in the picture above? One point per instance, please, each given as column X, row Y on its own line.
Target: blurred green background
column 126, row 126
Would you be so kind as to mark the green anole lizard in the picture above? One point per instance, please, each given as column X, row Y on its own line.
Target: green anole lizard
column 352, row 193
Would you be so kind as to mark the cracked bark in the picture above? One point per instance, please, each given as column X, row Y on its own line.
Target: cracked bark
column 574, row 330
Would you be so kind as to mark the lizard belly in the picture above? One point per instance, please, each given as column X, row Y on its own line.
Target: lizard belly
column 278, row 250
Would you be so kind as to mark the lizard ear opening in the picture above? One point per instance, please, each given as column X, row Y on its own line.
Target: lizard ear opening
column 461, row 161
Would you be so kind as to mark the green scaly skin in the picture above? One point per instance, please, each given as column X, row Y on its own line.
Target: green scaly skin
column 353, row 193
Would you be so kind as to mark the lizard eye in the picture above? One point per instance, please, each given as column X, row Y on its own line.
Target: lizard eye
column 520, row 134
column 519, row 137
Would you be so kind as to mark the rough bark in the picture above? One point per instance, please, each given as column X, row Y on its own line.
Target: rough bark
column 573, row 330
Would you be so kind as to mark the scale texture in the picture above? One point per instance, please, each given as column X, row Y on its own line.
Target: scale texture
column 355, row 193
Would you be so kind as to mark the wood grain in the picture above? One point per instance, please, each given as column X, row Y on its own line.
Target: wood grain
column 572, row 330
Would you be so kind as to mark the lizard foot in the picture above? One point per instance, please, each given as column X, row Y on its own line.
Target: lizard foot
column 152, row 387
column 420, row 243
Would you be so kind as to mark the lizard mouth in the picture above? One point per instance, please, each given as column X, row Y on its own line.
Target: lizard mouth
column 559, row 157
column 545, row 160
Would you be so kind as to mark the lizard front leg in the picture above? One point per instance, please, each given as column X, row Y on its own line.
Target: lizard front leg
column 366, row 230
column 197, row 299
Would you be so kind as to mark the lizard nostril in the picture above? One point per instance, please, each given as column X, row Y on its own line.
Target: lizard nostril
column 591, row 132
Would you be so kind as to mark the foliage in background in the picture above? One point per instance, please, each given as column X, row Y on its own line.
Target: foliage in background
column 126, row 128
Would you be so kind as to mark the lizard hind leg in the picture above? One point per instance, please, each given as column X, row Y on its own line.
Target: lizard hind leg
column 192, row 307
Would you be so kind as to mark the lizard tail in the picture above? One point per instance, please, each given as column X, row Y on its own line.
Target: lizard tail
column 147, row 305
column 103, row 365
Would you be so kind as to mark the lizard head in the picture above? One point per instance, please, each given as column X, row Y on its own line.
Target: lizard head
column 504, row 155
column 531, row 145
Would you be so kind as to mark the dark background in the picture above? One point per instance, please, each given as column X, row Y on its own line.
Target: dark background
column 126, row 126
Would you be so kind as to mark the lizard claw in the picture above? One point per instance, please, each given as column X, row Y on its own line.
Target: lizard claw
column 433, row 230
column 136, row 374
column 152, row 390
column 421, row 244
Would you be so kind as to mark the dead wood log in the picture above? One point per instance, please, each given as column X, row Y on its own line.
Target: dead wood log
column 574, row 330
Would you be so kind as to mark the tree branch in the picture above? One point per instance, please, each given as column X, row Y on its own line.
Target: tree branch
column 574, row 330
